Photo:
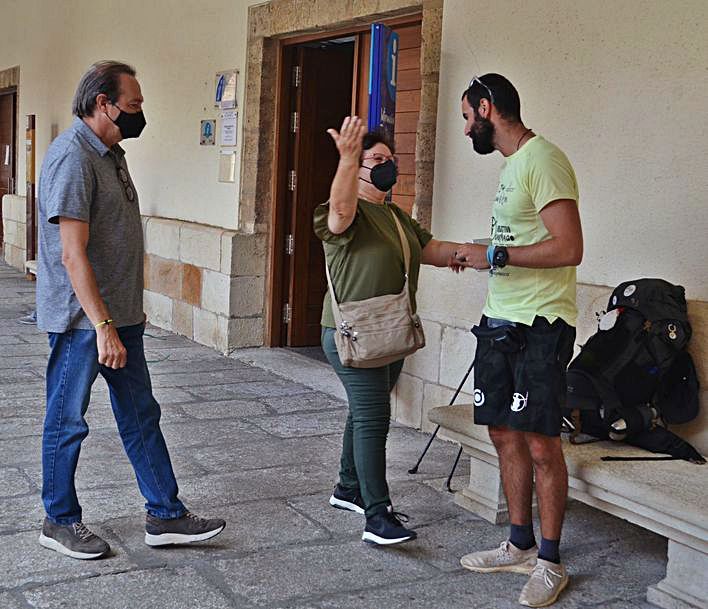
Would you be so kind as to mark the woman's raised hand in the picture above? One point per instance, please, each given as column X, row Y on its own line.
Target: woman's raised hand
column 349, row 138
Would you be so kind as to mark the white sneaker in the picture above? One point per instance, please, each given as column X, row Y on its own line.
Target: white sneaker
column 547, row 581
column 507, row 557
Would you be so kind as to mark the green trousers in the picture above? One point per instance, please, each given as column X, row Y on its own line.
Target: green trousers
column 363, row 462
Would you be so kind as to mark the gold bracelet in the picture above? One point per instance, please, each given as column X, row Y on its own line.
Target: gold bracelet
column 105, row 322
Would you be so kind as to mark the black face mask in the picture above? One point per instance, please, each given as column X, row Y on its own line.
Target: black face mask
column 130, row 125
column 383, row 176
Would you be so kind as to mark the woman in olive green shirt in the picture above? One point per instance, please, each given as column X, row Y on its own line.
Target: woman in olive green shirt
column 363, row 251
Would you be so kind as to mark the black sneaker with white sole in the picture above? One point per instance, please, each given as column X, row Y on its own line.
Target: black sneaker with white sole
column 74, row 540
column 345, row 499
column 186, row 529
column 385, row 528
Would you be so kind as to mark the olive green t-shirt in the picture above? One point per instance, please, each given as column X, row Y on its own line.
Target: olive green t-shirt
column 366, row 260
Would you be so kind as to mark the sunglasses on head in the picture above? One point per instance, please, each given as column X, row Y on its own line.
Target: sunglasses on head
column 477, row 79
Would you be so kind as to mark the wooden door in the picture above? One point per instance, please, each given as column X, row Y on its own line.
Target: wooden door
column 323, row 99
column 331, row 74
column 7, row 147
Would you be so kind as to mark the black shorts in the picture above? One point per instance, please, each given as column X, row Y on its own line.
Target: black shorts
column 519, row 375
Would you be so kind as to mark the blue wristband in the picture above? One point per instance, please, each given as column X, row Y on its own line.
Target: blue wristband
column 490, row 255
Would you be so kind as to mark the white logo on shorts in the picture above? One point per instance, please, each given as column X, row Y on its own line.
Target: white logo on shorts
column 519, row 402
column 478, row 397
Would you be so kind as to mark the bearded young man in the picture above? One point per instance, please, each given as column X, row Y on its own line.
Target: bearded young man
column 526, row 335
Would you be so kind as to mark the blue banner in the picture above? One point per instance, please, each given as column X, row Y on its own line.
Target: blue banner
column 383, row 71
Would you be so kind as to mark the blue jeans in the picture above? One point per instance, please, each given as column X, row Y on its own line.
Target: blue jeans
column 73, row 367
column 363, row 462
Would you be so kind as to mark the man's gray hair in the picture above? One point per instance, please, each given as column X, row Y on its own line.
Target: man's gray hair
column 101, row 77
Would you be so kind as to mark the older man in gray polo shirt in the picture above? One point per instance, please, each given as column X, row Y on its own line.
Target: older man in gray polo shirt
column 89, row 300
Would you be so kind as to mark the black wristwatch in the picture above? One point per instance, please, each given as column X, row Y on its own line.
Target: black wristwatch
column 500, row 257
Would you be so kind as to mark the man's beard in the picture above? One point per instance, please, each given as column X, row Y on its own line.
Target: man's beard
column 482, row 134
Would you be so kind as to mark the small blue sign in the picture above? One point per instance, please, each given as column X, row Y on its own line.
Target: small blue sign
column 207, row 136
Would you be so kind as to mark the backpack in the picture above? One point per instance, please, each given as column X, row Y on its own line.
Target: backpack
column 634, row 373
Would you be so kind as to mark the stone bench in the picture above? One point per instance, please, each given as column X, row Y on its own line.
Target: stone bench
column 667, row 497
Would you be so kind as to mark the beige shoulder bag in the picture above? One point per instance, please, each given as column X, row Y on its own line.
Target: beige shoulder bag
column 380, row 330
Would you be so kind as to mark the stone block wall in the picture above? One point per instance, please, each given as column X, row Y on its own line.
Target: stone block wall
column 14, row 223
column 205, row 283
column 450, row 305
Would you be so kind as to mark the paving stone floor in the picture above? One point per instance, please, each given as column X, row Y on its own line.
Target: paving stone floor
column 260, row 450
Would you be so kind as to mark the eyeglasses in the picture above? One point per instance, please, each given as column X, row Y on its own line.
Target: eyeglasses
column 382, row 158
column 125, row 180
column 477, row 79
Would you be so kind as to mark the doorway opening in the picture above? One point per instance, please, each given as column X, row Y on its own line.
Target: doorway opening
column 8, row 137
column 322, row 80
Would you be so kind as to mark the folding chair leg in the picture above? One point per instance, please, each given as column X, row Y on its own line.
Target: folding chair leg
column 452, row 471
column 414, row 469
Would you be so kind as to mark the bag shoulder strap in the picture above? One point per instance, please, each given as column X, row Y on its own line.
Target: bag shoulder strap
column 336, row 313
column 404, row 244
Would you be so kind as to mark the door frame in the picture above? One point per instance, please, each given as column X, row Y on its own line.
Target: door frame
column 274, row 335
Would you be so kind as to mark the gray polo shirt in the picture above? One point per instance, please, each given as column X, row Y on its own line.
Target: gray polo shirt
column 80, row 180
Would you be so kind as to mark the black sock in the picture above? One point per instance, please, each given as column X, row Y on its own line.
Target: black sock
column 522, row 536
column 549, row 550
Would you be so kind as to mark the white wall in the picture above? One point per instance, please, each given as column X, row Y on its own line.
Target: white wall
column 177, row 47
column 621, row 88
column 31, row 33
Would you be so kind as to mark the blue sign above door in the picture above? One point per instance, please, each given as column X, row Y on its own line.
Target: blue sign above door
column 383, row 70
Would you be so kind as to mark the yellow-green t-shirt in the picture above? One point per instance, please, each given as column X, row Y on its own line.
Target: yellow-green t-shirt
column 531, row 178
column 366, row 260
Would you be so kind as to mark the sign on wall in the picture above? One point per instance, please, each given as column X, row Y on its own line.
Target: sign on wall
column 225, row 89
column 207, row 135
column 227, row 133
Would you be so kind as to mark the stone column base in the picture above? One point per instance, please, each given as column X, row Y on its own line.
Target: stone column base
column 484, row 494
column 685, row 585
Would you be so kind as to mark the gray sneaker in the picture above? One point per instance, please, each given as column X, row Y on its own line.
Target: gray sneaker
column 29, row 320
column 74, row 540
column 507, row 557
column 187, row 529
column 547, row 581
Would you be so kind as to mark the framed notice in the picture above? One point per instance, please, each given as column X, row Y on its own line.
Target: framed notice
column 227, row 132
column 225, row 89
